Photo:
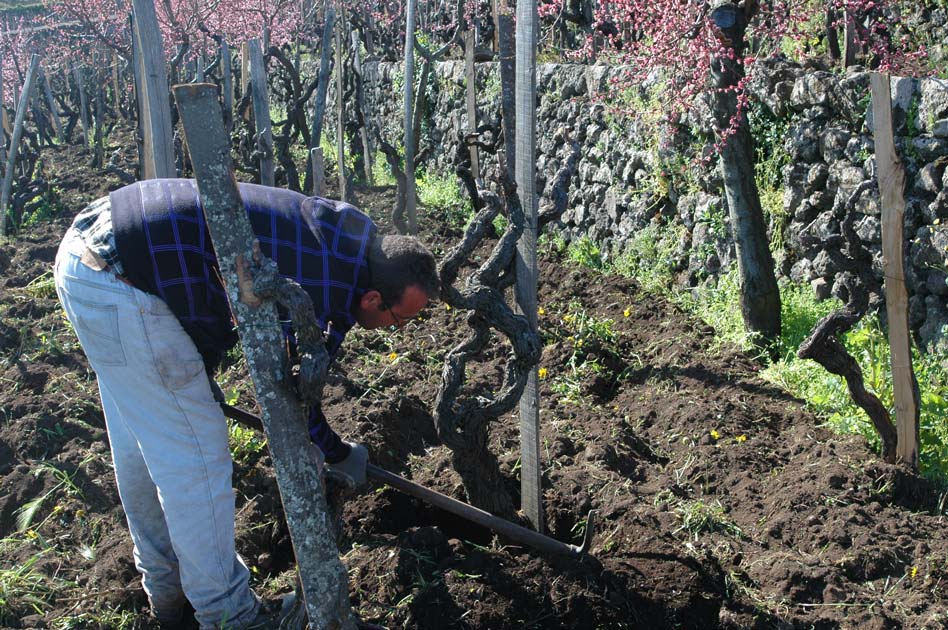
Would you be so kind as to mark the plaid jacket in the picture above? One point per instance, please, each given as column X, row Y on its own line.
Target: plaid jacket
column 165, row 249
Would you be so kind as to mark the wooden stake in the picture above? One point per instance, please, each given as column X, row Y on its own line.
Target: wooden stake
column 319, row 172
column 245, row 74
column 411, row 209
column 227, row 80
column 116, row 93
column 891, row 190
column 261, row 112
column 507, row 53
column 340, row 109
column 325, row 56
column 530, row 502
column 83, row 105
column 51, row 103
column 159, row 140
column 367, row 157
column 470, row 77
column 22, row 106
column 296, row 462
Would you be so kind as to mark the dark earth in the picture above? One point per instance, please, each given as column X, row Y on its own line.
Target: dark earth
column 722, row 502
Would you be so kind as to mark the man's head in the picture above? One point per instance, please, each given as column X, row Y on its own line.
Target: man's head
column 403, row 277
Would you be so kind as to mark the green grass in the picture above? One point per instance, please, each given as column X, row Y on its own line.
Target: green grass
column 21, row 585
column 443, row 193
column 825, row 394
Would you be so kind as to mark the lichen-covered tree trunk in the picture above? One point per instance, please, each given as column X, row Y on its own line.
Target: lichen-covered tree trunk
column 296, row 461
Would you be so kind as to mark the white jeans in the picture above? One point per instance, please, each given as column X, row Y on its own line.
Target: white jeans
column 169, row 444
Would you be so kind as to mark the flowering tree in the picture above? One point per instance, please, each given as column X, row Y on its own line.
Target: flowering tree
column 700, row 51
column 184, row 23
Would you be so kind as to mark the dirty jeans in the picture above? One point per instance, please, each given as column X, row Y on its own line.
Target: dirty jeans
column 169, row 444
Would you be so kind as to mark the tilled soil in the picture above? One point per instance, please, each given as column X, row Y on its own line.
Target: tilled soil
column 721, row 502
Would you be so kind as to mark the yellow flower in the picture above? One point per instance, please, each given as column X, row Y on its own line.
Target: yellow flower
column 31, row 534
column 540, row 311
column 542, row 372
column 715, row 434
column 913, row 573
column 627, row 312
column 741, row 438
column 392, row 356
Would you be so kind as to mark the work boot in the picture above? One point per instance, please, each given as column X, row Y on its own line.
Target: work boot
column 275, row 613
column 176, row 617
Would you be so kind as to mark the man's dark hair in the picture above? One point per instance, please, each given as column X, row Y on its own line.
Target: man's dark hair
column 397, row 262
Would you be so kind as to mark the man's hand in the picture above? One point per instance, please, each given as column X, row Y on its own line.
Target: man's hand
column 353, row 466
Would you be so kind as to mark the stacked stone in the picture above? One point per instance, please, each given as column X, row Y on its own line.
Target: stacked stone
column 622, row 186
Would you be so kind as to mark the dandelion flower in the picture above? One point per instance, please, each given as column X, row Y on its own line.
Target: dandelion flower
column 715, row 434
column 741, row 438
column 627, row 312
column 392, row 356
column 913, row 573
column 542, row 372
column 540, row 311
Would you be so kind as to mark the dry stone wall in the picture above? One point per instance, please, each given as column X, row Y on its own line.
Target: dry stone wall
column 633, row 176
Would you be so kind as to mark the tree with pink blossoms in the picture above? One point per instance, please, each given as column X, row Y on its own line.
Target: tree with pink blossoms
column 700, row 52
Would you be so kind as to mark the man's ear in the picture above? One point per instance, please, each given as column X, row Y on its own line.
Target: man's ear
column 371, row 301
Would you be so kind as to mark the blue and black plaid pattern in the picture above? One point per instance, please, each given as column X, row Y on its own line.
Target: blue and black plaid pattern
column 165, row 247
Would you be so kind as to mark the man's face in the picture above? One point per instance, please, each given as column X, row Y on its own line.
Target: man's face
column 374, row 313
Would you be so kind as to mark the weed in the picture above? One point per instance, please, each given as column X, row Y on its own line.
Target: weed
column 245, row 444
column 381, row 174
column 22, row 585
column 700, row 518
column 586, row 253
column 42, row 286
column 66, row 482
column 112, row 618
column 444, row 194
column 651, row 257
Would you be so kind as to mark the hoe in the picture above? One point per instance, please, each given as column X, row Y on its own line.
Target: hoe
column 525, row 536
